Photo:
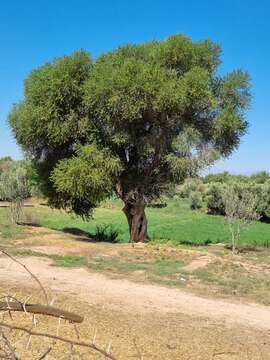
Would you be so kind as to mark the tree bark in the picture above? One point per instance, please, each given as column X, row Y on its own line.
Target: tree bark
column 134, row 210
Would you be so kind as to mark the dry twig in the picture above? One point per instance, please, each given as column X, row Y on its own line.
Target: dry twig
column 90, row 345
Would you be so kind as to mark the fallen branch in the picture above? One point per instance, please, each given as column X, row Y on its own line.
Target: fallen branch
column 40, row 309
column 59, row 338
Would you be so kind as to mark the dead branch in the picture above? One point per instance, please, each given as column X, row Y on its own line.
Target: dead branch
column 45, row 354
column 40, row 309
column 29, row 272
column 90, row 345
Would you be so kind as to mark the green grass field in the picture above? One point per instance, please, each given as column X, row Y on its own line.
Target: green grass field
column 175, row 223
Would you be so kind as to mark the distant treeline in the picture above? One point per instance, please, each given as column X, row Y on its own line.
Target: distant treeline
column 209, row 191
column 225, row 177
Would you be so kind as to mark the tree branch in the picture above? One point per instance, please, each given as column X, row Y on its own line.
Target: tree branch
column 40, row 309
column 59, row 338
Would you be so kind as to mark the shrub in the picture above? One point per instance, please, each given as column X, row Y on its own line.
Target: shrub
column 264, row 201
column 106, row 233
column 261, row 177
column 196, row 202
column 260, row 192
column 214, row 199
column 191, row 185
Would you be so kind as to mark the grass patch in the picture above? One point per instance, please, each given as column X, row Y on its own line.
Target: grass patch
column 159, row 267
column 231, row 278
column 7, row 229
column 59, row 260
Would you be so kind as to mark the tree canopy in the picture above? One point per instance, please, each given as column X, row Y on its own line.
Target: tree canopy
column 132, row 121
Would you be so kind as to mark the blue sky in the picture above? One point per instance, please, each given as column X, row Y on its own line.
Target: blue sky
column 35, row 31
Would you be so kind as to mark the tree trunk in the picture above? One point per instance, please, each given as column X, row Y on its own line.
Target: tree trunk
column 135, row 212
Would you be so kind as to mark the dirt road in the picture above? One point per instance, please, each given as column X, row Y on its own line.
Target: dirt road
column 122, row 294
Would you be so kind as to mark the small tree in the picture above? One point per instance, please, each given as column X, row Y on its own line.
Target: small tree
column 240, row 211
column 15, row 187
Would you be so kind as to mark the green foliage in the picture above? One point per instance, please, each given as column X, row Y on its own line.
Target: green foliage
column 191, row 185
column 214, row 199
column 263, row 193
column 14, row 183
column 241, row 211
column 132, row 106
column 225, row 177
column 218, row 178
column 85, row 180
column 261, row 177
column 15, row 187
column 5, row 163
column 50, row 121
column 18, row 179
column 196, row 202
column 176, row 223
column 106, row 233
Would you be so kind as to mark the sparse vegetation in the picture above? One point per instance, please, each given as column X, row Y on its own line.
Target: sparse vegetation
column 240, row 212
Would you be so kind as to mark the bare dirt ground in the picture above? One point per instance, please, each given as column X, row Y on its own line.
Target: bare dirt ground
column 143, row 320
column 122, row 294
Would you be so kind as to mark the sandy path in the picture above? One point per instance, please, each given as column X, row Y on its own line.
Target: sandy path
column 125, row 295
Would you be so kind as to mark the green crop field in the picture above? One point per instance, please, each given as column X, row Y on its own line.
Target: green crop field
column 175, row 223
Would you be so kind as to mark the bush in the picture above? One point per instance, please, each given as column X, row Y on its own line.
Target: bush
column 106, row 233
column 5, row 163
column 214, row 199
column 191, row 185
column 196, row 202
column 261, row 192
column 261, row 177
column 264, row 201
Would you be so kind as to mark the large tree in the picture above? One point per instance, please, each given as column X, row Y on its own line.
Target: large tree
column 132, row 121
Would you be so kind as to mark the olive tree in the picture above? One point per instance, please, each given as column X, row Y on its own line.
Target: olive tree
column 133, row 121
column 15, row 188
column 240, row 207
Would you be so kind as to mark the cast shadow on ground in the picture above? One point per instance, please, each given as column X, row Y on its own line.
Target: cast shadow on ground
column 104, row 233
